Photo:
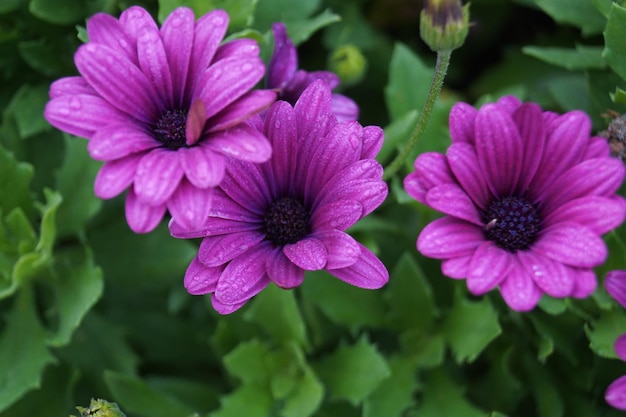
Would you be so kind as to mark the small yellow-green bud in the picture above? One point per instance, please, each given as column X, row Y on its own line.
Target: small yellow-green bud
column 100, row 408
column 348, row 63
column 444, row 24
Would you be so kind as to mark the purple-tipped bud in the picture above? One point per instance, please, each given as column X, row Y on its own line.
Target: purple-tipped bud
column 444, row 24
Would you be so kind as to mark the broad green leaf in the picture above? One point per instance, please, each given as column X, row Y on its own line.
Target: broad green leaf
column 443, row 397
column 410, row 296
column 305, row 398
column 23, row 352
column 500, row 386
column 197, row 394
column 301, row 30
column 603, row 332
column 7, row 6
column 135, row 396
column 276, row 311
column 353, row 372
column 75, row 183
column 396, row 393
column 249, row 362
column 270, row 11
column 614, row 35
column 427, row 351
column 406, row 69
column 342, row 303
column 77, row 286
column 251, row 400
column 241, row 12
column 469, row 327
column 51, row 57
column 544, row 387
column 603, row 6
column 556, row 330
column 580, row 58
column 59, row 12
column 15, row 178
column 619, row 96
column 580, row 13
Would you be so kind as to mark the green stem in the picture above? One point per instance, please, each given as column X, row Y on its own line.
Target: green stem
column 441, row 67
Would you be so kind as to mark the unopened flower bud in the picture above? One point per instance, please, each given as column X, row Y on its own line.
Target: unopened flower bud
column 444, row 24
column 348, row 63
column 101, row 408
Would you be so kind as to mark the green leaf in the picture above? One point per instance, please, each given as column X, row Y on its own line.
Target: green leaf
column 580, row 13
column 619, row 96
column 406, row 69
column 394, row 394
column 199, row 395
column 305, row 398
column 603, row 332
column 241, row 12
column 301, row 30
column 555, row 332
column 268, row 12
column 276, row 311
column 580, row 58
column 60, row 12
column 410, row 296
column 14, row 182
column 252, row 400
column 470, row 327
column 396, row 133
column 51, row 57
column 77, row 286
column 343, row 303
column 614, row 35
column 442, row 397
column 137, row 397
column 545, row 389
column 23, row 352
column 9, row 5
column 75, row 183
column 353, row 372
column 249, row 362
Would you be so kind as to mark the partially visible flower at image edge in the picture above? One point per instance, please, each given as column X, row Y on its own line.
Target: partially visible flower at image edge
column 271, row 222
column 615, row 394
column 284, row 76
column 526, row 194
column 163, row 108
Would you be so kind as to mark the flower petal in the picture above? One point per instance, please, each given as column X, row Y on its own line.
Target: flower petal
column 456, row 268
column 246, row 185
column 461, row 120
column 153, row 63
column 142, row 217
column 241, row 142
column 177, row 33
column 551, row 277
column 225, row 207
column 518, row 289
column 119, row 140
column 313, row 112
column 115, row 176
column 599, row 214
column 244, row 276
column 615, row 394
column 280, row 128
column 237, row 47
column 282, row 271
column 249, row 104
column 361, row 181
column 202, row 167
column 373, row 138
column 70, row 86
column 107, row 30
column 158, row 174
column 309, row 253
column 598, row 147
column 585, row 282
column 620, row 347
column 218, row 250
column 488, row 267
column 463, row 162
column 344, row 108
column 226, row 308
column 284, row 60
column 189, row 205
column 532, row 131
column 615, row 284
column 450, row 199
column 343, row 250
column 431, row 169
column 571, row 244
column 200, row 279
column 367, row 272
column 449, row 238
column 338, row 215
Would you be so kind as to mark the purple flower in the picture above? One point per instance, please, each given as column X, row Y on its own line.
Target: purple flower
column 163, row 108
column 284, row 76
column 271, row 222
column 527, row 195
column 615, row 284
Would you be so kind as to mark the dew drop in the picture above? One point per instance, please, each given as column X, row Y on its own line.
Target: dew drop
column 75, row 103
column 218, row 21
column 246, row 67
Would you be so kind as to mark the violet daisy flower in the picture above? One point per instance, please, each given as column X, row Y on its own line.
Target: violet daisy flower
column 527, row 195
column 163, row 108
column 615, row 284
column 271, row 222
column 284, row 76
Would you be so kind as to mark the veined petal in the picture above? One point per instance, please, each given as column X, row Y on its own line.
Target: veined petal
column 82, row 114
column 615, row 284
column 369, row 193
column 219, row 250
column 158, row 174
column 119, row 140
column 249, row 104
column 134, row 19
column 345, row 184
column 70, row 86
column 373, row 137
column 463, row 162
column 246, row 185
column 142, row 217
column 367, row 272
column 498, row 147
column 107, row 30
column 598, row 147
column 338, row 215
column 550, row 276
column 280, row 129
column 309, row 254
column 177, row 33
column 450, row 199
column 244, row 276
column 284, row 60
column 529, row 121
column 518, row 289
column 243, row 47
column 509, row 103
column 227, row 80
column 599, row 214
column 153, row 63
column 571, row 244
column 431, row 169
column 461, row 121
column 456, row 268
column 344, row 108
column 225, row 207
column 241, row 142
column 227, row 308
column 487, row 268
column 115, row 176
column 585, row 282
column 203, row 167
column 449, row 238
column 343, row 251
column 312, row 110
column 615, row 394
column 190, row 205
column 200, row 279
column 282, row 271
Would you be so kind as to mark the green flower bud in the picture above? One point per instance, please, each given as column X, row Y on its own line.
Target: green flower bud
column 100, row 408
column 444, row 24
column 348, row 63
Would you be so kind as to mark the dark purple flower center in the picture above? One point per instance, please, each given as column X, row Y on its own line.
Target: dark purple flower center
column 286, row 221
column 170, row 129
column 512, row 223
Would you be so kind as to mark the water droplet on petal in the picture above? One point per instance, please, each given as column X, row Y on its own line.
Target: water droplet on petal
column 75, row 103
column 354, row 141
column 218, row 20
column 246, row 67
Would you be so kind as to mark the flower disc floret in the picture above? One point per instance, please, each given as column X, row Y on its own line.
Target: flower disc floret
column 271, row 222
column 526, row 196
column 164, row 108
